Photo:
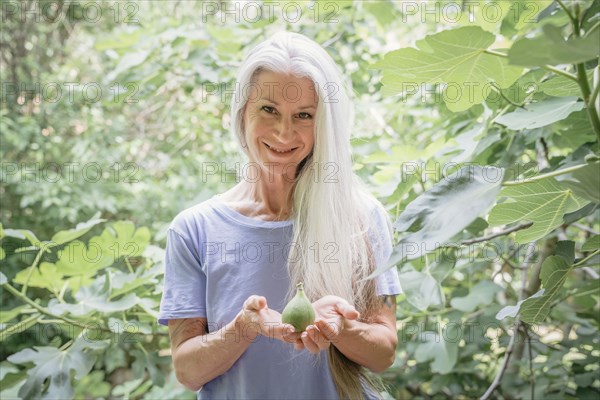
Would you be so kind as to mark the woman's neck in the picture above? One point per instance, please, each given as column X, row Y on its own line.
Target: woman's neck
column 267, row 199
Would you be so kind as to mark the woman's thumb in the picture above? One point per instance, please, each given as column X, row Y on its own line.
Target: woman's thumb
column 347, row 311
column 256, row 303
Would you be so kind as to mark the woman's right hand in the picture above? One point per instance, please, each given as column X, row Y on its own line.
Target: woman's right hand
column 256, row 318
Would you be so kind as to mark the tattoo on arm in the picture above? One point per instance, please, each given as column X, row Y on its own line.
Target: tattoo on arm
column 389, row 301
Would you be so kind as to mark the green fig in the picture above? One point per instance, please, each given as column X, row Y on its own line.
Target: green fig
column 299, row 311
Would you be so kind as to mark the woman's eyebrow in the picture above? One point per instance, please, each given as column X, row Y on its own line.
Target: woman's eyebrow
column 300, row 108
column 269, row 100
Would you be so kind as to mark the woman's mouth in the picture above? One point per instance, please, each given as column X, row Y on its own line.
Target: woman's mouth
column 281, row 150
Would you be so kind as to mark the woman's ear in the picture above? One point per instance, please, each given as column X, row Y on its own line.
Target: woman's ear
column 243, row 128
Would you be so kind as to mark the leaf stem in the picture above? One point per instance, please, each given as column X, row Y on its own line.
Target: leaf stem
column 507, row 354
column 584, row 85
column 585, row 259
column 47, row 312
column 594, row 93
column 511, row 344
column 13, row 329
column 560, row 72
column 36, row 261
column 66, row 345
column 592, row 29
column 497, row 234
column 546, row 67
column 544, row 176
column 568, row 12
column 499, row 91
column 129, row 265
column 44, row 310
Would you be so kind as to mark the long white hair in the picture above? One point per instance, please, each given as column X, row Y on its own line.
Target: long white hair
column 331, row 251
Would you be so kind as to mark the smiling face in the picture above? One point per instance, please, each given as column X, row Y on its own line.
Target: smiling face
column 279, row 121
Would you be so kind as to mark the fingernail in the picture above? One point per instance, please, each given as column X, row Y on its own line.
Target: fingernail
column 304, row 335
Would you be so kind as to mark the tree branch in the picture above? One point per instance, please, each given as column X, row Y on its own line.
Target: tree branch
column 47, row 312
column 511, row 343
column 544, row 176
column 546, row 67
column 497, row 234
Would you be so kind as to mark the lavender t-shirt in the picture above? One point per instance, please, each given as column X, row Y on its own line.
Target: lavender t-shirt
column 215, row 259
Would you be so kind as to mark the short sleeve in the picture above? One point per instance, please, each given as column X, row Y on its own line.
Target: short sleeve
column 184, row 292
column 380, row 232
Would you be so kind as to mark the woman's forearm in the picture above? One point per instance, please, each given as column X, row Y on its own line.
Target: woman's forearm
column 370, row 345
column 201, row 359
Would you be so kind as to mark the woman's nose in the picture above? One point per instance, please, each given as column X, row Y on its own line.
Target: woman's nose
column 286, row 127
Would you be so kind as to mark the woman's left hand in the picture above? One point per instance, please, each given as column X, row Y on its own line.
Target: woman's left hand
column 330, row 313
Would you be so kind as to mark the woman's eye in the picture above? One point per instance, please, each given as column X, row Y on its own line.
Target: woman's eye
column 305, row 115
column 268, row 109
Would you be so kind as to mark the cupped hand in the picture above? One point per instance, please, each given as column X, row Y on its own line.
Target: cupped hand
column 258, row 319
column 330, row 315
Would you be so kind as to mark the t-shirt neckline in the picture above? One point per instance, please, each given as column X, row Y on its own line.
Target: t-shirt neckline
column 241, row 218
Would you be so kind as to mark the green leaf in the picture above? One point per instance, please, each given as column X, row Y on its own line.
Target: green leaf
column 7, row 368
column 566, row 250
column 454, row 57
column 444, row 353
column 553, row 276
column 121, row 239
column 22, row 234
column 561, row 86
column 151, row 362
column 584, row 182
column 93, row 298
column 591, row 244
column 81, row 229
column 440, row 213
column 421, row 289
column 521, row 15
column 10, row 376
column 552, row 49
column 54, row 366
column 512, row 311
column 542, row 202
column 383, row 11
column 7, row 330
column 78, row 259
column 444, row 262
column 480, row 294
column 122, row 41
column 8, row 315
column 126, row 282
column 126, row 388
column 536, row 115
column 46, row 276
column 127, row 63
column 574, row 131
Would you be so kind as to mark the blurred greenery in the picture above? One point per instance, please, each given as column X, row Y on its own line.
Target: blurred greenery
column 114, row 117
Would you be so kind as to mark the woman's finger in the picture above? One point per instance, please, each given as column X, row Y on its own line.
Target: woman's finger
column 310, row 345
column 328, row 329
column 298, row 344
column 319, row 338
column 289, row 334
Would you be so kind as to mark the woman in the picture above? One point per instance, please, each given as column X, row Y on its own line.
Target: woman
column 298, row 215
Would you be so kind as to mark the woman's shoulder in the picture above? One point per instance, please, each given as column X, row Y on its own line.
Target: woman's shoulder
column 189, row 219
column 372, row 206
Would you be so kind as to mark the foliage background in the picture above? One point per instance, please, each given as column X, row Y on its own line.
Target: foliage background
column 90, row 183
